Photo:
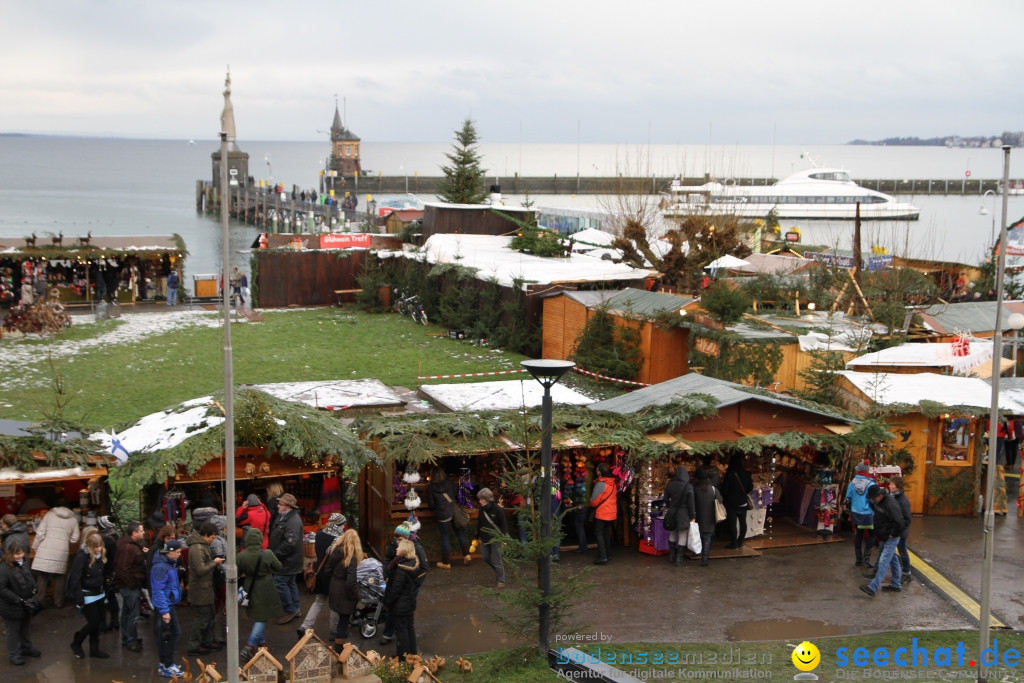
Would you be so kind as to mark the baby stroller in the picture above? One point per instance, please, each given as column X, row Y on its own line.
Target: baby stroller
column 370, row 577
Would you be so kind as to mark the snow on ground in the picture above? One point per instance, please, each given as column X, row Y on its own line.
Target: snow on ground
column 23, row 363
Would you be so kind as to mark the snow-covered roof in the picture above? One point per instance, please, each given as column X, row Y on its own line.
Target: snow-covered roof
column 504, row 395
column 927, row 356
column 886, row 388
column 334, row 394
column 165, row 429
column 492, row 258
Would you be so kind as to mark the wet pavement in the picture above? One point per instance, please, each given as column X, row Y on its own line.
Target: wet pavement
column 787, row 593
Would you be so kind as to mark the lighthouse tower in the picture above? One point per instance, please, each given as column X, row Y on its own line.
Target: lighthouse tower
column 238, row 161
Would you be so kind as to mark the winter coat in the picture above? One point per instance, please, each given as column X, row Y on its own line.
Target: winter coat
column 704, row 496
column 344, row 590
column 888, row 518
column 679, row 498
column 109, row 537
column 16, row 586
column 164, row 586
column 438, row 503
column 857, row 495
column 85, row 578
column 286, row 542
column 485, row 530
column 200, row 570
column 605, row 491
column 255, row 517
column 18, row 533
column 264, row 602
column 129, row 564
column 57, row 531
column 901, row 499
column 403, row 586
column 391, row 552
column 322, row 544
column 736, row 484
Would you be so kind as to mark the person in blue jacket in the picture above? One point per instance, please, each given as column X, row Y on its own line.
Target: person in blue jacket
column 861, row 515
column 166, row 592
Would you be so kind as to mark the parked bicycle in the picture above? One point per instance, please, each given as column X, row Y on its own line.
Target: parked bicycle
column 410, row 305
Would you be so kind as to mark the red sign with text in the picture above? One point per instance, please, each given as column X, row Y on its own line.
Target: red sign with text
column 350, row 240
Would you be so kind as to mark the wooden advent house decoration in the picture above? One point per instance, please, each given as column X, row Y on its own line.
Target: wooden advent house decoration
column 207, row 672
column 263, row 667
column 311, row 660
column 355, row 664
column 421, row 674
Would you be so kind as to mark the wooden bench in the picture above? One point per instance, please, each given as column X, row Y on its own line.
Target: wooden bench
column 339, row 293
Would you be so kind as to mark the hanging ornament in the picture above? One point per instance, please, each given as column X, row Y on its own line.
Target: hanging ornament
column 412, row 501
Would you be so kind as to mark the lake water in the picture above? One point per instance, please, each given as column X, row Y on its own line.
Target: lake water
column 147, row 187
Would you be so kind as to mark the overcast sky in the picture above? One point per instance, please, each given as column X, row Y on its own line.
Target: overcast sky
column 678, row 71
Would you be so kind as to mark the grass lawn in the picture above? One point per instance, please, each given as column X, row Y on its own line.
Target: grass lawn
column 122, row 382
column 762, row 660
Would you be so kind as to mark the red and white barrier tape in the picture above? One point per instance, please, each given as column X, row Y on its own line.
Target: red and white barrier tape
column 609, row 379
column 472, row 374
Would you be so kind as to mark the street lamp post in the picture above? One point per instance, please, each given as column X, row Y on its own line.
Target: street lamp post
column 547, row 372
column 988, row 545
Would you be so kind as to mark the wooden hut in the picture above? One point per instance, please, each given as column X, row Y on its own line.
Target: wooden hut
column 665, row 348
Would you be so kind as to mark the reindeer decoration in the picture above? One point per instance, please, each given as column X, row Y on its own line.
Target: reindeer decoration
column 58, row 240
column 30, row 241
column 84, row 241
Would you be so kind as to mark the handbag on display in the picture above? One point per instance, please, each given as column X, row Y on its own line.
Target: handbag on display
column 693, row 539
column 720, row 513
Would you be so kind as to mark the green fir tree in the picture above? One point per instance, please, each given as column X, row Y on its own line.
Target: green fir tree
column 463, row 181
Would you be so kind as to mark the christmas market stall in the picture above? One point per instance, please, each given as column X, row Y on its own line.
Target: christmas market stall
column 49, row 465
column 88, row 268
column 796, row 453
column 175, row 457
column 490, row 439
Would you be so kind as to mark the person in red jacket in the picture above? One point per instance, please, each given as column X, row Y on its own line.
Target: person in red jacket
column 603, row 498
column 255, row 515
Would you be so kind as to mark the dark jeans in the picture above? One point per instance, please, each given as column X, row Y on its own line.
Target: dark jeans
column 705, row 543
column 288, row 589
column 18, row 636
column 405, row 632
column 904, row 555
column 95, row 618
column 166, row 635
column 130, row 615
column 579, row 518
column 603, row 532
column 736, row 517
column 202, row 627
column 446, row 547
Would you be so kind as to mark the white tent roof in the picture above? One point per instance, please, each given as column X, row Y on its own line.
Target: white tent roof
column 492, row 258
column 885, row 388
column 928, row 356
column 504, row 395
column 726, row 261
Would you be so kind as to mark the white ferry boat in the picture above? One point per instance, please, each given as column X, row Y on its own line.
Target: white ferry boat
column 813, row 194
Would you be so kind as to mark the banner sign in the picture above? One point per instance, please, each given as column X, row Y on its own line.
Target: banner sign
column 345, row 240
column 878, row 262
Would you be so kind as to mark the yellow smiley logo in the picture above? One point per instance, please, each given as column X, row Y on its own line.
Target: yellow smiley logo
column 806, row 656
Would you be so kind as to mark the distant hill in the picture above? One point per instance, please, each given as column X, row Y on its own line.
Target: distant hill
column 1007, row 138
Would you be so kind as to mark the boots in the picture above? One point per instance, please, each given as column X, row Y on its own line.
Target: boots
column 673, row 550
column 681, row 556
column 339, row 645
column 246, row 654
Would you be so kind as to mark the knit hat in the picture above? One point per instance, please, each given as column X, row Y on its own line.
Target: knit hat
column 200, row 515
column 220, row 521
column 875, row 490
column 170, row 546
column 485, row 494
column 289, row 500
column 105, row 522
column 253, row 500
column 862, row 469
column 403, row 530
column 335, row 524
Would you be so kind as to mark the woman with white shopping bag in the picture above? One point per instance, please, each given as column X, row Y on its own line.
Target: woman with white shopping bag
column 705, row 498
column 680, row 510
